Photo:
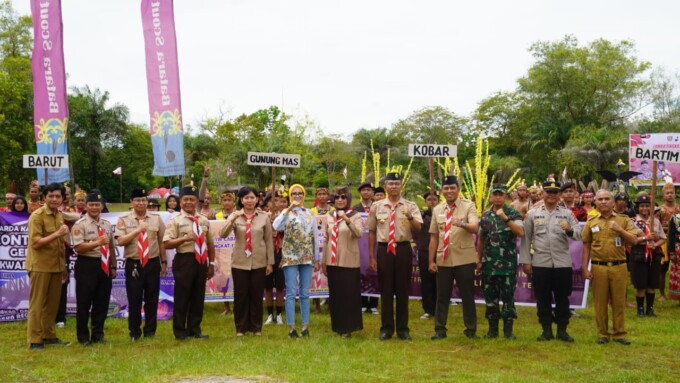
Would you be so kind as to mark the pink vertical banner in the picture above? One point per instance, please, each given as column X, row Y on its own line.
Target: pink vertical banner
column 162, row 77
column 50, row 115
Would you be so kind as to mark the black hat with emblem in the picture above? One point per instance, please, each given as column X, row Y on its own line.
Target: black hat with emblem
column 94, row 196
column 450, row 180
column 138, row 193
column 189, row 190
column 394, row 176
column 365, row 185
column 379, row 189
column 643, row 199
column 551, row 186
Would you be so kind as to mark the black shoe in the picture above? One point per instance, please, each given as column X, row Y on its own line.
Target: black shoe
column 304, row 333
column 641, row 312
column 545, row 336
column 56, row 341
column 438, row 335
column 293, row 334
column 150, row 335
column 201, row 336
column 622, row 341
column 404, row 336
column 385, row 336
column 181, row 338
column 564, row 336
column 602, row 340
column 650, row 312
column 507, row 329
column 36, row 346
column 470, row 334
column 100, row 340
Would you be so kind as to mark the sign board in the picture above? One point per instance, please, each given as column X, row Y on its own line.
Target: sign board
column 53, row 161
column 664, row 148
column 274, row 159
column 432, row 150
column 649, row 153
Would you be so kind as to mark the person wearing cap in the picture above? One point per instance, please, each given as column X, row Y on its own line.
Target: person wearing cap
column 569, row 201
column 299, row 258
column 499, row 228
column 45, row 264
column 621, row 205
column 369, row 305
column 378, row 194
column 141, row 233
column 452, row 256
column 341, row 263
column 521, row 204
column 390, row 224
column 95, row 269
column 189, row 233
column 546, row 229
column 153, row 205
column 604, row 239
column 645, row 265
column 428, row 282
column 668, row 210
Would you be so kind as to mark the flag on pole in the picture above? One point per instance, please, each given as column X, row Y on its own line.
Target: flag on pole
column 229, row 171
column 118, row 171
column 344, row 172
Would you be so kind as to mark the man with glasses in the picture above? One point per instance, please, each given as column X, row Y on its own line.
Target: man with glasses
column 390, row 223
column 545, row 256
column 145, row 263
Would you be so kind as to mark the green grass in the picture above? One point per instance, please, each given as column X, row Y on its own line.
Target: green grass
column 653, row 356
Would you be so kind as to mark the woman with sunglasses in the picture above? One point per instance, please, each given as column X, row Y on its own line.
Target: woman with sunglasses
column 298, row 256
column 341, row 265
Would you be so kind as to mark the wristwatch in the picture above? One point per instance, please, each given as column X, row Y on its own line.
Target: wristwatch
column 213, row 263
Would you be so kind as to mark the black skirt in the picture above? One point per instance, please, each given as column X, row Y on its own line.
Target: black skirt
column 344, row 290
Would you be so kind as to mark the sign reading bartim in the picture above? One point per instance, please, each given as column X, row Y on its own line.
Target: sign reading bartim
column 656, row 154
column 274, row 159
column 430, row 150
column 32, row 161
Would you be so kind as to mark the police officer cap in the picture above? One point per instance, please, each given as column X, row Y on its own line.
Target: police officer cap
column 450, row 180
column 567, row 185
column 499, row 188
column 94, row 196
column 643, row 199
column 138, row 193
column 365, row 185
column 189, row 190
column 551, row 186
column 154, row 202
column 394, row 176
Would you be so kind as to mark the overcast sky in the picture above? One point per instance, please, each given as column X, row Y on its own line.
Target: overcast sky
column 347, row 64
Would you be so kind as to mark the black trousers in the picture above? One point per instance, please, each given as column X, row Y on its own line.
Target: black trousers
column 464, row 276
column 248, row 293
column 394, row 277
column 552, row 284
column 61, row 314
column 93, row 293
column 190, row 278
column 144, row 288
column 428, row 283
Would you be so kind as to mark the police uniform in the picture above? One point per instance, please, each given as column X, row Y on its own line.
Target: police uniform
column 142, row 281
column 608, row 267
column 394, row 270
column 190, row 275
column 499, row 265
column 551, row 263
column 93, row 283
column 248, row 267
column 460, row 262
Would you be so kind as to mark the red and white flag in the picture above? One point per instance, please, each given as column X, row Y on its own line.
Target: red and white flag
column 229, row 171
column 344, row 172
column 119, row 170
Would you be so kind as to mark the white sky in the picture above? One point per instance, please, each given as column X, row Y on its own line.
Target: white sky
column 347, row 64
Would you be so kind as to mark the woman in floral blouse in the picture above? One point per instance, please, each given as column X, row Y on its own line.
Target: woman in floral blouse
column 298, row 256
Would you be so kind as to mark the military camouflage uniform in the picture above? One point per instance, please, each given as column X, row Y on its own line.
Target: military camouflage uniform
column 499, row 263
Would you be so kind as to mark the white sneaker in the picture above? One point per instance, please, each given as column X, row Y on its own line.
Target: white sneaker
column 426, row 316
column 60, row 324
column 270, row 320
column 279, row 320
column 375, row 311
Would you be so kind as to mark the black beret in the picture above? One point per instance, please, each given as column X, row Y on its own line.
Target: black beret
column 365, row 185
column 379, row 189
column 392, row 177
column 138, row 193
column 189, row 190
column 94, row 196
column 450, row 180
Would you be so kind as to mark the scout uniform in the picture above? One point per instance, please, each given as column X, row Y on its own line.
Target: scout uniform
column 499, row 264
column 610, row 277
column 190, row 269
column 93, row 274
column 458, row 263
column 394, row 259
column 143, row 262
column 428, row 281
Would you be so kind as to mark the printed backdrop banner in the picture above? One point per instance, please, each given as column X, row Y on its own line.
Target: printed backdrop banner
column 162, row 77
column 14, row 285
column 50, row 112
column 665, row 169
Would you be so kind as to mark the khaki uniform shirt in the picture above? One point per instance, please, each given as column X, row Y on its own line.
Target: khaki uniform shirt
column 129, row 223
column 379, row 220
column 261, row 239
column 347, row 253
column 180, row 225
column 544, row 235
column 49, row 258
column 86, row 230
column 604, row 245
column 461, row 243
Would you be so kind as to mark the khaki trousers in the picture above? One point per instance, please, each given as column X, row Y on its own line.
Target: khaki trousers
column 43, row 304
column 609, row 284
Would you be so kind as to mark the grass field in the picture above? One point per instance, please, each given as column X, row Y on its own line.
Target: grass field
column 324, row 356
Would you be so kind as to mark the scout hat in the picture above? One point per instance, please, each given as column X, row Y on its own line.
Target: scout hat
column 551, row 186
column 365, row 185
column 154, row 202
column 94, row 196
column 450, row 180
column 379, row 189
column 138, row 193
column 499, row 188
column 643, row 199
column 394, row 176
column 189, row 190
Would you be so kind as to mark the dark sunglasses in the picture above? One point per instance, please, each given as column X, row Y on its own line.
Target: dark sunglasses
column 341, row 197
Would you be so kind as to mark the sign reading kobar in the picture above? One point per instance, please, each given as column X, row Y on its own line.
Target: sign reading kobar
column 274, row 159
column 431, row 150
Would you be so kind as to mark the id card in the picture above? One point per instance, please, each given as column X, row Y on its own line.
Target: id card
column 595, row 229
column 617, row 241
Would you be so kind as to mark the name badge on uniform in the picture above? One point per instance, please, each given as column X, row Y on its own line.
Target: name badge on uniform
column 617, row 241
column 595, row 229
